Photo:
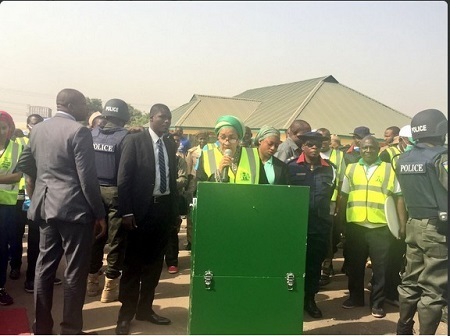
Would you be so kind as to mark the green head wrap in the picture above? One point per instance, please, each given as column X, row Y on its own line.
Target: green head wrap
column 230, row 121
column 265, row 132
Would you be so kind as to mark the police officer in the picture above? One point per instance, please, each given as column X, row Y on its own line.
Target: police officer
column 108, row 148
column 422, row 173
column 310, row 170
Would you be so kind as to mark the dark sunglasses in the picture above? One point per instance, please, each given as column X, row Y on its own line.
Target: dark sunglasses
column 313, row 143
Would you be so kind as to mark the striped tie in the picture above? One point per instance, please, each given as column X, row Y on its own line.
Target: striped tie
column 162, row 168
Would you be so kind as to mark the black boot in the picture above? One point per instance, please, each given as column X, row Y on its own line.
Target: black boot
column 405, row 328
column 311, row 307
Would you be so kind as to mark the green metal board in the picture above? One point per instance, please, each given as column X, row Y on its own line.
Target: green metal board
column 251, row 238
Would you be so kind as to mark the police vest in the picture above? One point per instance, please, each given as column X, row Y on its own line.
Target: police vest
column 8, row 162
column 336, row 157
column 248, row 167
column 423, row 193
column 367, row 197
column 107, row 155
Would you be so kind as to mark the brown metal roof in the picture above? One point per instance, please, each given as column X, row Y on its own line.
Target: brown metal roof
column 323, row 102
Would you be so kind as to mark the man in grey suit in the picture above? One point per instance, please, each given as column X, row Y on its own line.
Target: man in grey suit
column 66, row 202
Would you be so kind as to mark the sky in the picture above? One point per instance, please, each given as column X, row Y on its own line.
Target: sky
column 165, row 52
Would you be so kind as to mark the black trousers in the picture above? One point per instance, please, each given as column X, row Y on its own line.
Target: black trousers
column 316, row 251
column 172, row 248
column 144, row 257
column 32, row 249
column 16, row 249
column 362, row 242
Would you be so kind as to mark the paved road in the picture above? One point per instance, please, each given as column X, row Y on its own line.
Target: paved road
column 172, row 301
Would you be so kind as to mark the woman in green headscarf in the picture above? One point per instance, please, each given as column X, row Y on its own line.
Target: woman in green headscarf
column 267, row 141
column 229, row 162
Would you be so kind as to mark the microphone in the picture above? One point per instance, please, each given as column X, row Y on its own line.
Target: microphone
column 224, row 176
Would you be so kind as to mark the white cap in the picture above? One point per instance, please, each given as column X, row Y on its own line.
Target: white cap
column 405, row 131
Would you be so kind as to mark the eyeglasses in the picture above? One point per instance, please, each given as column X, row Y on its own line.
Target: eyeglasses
column 311, row 144
column 229, row 139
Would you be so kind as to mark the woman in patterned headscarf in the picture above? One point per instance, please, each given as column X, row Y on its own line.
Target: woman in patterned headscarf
column 9, row 187
column 229, row 162
column 267, row 140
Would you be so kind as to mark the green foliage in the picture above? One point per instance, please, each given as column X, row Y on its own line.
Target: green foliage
column 94, row 105
column 137, row 117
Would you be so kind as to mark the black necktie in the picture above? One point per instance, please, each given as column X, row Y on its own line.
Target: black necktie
column 162, row 168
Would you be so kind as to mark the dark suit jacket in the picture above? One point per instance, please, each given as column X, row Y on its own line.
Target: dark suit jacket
column 137, row 173
column 60, row 156
column 281, row 170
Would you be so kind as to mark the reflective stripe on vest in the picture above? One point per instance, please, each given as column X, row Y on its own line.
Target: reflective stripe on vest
column 22, row 141
column 8, row 162
column 393, row 152
column 366, row 198
column 248, row 169
column 336, row 157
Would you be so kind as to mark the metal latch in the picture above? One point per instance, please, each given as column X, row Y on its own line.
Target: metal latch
column 290, row 280
column 208, row 279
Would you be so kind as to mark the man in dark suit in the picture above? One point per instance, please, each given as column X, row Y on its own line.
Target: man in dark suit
column 147, row 203
column 66, row 202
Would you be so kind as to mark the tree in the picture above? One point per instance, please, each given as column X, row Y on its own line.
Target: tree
column 137, row 117
column 94, row 105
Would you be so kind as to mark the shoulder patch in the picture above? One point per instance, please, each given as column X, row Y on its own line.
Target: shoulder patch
column 292, row 158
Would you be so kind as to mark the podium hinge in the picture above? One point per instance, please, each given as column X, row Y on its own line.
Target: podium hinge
column 290, row 281
column 208, row 279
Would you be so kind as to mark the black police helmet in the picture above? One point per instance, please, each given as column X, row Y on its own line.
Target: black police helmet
column 428, row 123
column 116, row 108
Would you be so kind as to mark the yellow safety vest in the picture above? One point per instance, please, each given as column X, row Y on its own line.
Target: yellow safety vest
column 336, row 157
column 8, row 162
column 22, row 141
column 248, row 167
column 393, row 152
column 366, row 198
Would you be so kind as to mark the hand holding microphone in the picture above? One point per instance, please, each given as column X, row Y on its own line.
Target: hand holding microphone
column 224, row 176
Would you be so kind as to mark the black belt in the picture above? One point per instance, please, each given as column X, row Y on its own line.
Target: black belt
column 160, row 199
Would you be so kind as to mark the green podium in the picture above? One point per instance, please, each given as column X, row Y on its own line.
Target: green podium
column 248, row 259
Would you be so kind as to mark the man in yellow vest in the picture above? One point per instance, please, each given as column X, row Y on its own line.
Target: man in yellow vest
column 365, row 188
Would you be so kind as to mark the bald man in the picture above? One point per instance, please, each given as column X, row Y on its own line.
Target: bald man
column 67, row 205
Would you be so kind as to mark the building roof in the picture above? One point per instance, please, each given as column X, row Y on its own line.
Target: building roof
column 322, row 102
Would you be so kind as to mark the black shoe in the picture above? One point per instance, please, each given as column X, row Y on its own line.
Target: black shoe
column 312, row 309
column 154, row 318
column 378, row 312
column 14, row 274
column 324, row 280
column 349, row 304
column 29, row 286
column 123, row 328
column 405, row 329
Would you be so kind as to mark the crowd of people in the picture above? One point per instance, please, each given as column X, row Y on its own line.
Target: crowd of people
column 80, row 189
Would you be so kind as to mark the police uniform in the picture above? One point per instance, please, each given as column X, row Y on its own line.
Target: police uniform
column 321, row 179
column 107, row 142
column 423, row 174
